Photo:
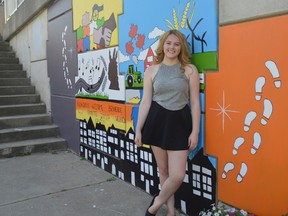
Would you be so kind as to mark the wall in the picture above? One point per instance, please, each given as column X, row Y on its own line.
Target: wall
column 246, row 105
column 30, row 47
column 27, row 11
column 233, row 11
column 243, row 100
column 26, row 31
column 97, row 53
column 2, row 20
column 62, row 69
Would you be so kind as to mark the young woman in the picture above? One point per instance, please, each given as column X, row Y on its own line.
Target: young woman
column 165, row 121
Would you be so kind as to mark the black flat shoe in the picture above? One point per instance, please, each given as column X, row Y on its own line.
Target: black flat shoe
column 147, row 213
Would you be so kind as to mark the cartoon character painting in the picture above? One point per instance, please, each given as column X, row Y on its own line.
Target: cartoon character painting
column 93, row 30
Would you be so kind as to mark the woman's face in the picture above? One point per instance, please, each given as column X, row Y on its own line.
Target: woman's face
column 172, row 47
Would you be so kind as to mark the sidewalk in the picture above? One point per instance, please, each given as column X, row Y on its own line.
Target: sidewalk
column 62, row 184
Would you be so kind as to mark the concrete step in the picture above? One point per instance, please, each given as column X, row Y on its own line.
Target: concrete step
column 28, row 133
column 4, row 42
column 27, row 147
column 10, row 67
column 5, row 47
column 25, row 120
column 9, row 60
column 25, row 127
column 22, row 109
column 12, row 74
column 16, row 90
column 19, row 99
column 15, row 82
column 7, row 54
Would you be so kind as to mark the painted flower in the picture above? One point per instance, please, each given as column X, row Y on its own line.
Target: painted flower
column 224, row 210
column 243, row 212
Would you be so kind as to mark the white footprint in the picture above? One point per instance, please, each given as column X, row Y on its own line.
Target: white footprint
column 238, row 142
column 260, row 82
column 272, row 67
column 256, row 144
column 242, row 172
column 267, row 111
column 248, row 120
column 228, row 167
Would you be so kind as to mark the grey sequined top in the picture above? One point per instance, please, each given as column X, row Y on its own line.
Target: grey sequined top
column 171, row 87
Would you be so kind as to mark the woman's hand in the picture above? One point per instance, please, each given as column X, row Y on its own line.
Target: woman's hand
column 138, row 139
column 192, row 141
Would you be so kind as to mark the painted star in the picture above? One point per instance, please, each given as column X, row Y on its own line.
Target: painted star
column 71, row 51
column 224, row 111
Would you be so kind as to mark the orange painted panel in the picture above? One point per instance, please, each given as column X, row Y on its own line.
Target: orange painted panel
column 106, row 112
column 247, row 115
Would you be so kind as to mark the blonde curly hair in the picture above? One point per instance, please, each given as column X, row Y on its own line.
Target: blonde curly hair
column 184, row 55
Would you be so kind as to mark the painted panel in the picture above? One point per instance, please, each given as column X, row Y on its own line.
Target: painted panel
column 62, row 55
column 63, row 114
column 246, row 114
column 98, row 75
column 62, row 69
column 58, row 7
column 96, row 23
column 107, row 113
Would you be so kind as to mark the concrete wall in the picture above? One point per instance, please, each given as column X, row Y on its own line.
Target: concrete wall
column 234, row 11
column 2, row 21
column 25, row 13
column 26, row 31
column 30, row 47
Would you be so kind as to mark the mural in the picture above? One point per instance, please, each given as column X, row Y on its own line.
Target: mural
column 246, row 105
column 116, row 42
column 140, row 32
column 98, row 71
column 97, row 53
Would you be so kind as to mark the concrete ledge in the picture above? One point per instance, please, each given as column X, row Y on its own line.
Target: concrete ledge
column 25, row 13
column 235, row 11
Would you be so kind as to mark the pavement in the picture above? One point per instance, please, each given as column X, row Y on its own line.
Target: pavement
column 63, row 184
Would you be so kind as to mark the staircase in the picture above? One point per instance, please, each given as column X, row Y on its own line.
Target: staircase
column 25, row 127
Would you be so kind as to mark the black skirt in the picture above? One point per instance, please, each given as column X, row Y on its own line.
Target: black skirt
column 167, row 129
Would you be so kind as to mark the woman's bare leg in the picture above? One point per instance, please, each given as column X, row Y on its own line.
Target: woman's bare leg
column 177, row 170
column 161, row 157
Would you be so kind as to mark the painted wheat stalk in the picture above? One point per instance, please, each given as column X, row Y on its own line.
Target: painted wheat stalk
column 185, row 20
column 184, row 16
column 170, row 25
column 191, row 14
column 176, row 24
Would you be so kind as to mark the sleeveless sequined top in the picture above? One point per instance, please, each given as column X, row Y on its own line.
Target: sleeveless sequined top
column 171, row 87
